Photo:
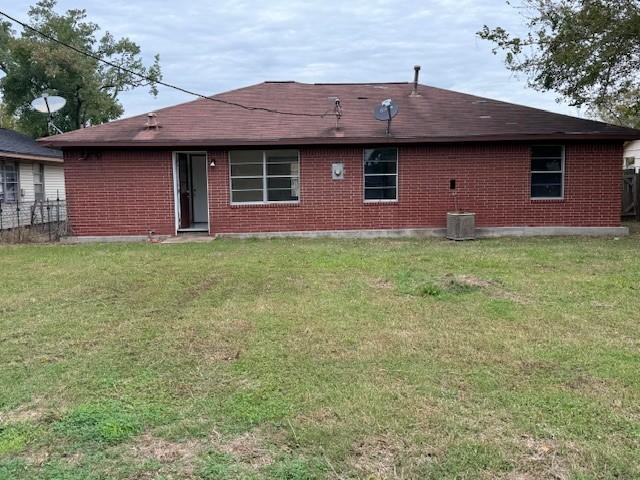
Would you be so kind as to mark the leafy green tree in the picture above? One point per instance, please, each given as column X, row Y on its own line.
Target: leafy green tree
column 6, row 120
column 622, row 110
column 34, row 65
column 588, row 51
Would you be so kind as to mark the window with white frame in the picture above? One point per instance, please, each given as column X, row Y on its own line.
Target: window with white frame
column 9, row 185
column 547, row 171
column 381, row 174
column 38, row 182
column 264, row 176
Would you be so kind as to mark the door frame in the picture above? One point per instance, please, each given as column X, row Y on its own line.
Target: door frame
column 176, row 187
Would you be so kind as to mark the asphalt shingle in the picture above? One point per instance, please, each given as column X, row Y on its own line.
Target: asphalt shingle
column 434, row 115
column 17, row 143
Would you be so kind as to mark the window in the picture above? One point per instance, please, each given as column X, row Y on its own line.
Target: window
column 629, row 162
column 547, row 172
column 381, row 174
column 38, row 182
column 9, row 189
column 264, row 176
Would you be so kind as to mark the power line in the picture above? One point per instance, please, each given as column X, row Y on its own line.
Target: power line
column 149, row 79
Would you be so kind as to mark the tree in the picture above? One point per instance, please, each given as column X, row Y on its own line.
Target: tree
column 6, row 120
column 588, row 51
column 34, row 65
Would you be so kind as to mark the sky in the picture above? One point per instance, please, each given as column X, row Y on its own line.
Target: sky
column 211, row 46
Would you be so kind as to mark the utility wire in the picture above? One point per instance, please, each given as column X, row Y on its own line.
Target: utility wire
column 149, row 79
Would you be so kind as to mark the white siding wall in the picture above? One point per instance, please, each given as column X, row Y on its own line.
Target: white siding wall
column 53, row 182
column 632, row 149
column 54, row 186
column 25, row 172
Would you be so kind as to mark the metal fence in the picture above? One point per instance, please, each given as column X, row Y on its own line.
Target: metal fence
column 631, row 194
column 44, row 220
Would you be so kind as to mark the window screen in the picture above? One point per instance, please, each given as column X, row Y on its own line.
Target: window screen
column 8, row 181
column 264, row 176
column 381, row 174
column 547, row 172
column 38, row 182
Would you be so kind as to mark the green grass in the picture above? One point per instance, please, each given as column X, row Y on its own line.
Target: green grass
column 313, row 359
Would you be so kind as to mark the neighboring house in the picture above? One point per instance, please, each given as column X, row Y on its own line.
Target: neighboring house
column 632, row 156
column 219, row 168
column 30, row 174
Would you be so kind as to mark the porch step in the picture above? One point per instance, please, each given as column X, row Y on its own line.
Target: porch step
column 195, row 237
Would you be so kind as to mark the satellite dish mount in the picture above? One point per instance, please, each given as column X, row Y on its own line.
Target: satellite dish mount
column 385, row 112
column 337, row 109
column 49, row 104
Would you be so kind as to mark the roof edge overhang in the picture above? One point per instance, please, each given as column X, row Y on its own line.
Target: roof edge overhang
column 31, row 158
column 328, row 141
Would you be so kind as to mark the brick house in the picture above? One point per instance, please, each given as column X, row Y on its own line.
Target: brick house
column 216, row 166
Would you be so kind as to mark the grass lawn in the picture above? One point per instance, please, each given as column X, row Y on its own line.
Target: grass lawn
column 303, row 359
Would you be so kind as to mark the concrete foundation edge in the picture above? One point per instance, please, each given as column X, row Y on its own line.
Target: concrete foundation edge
column 484, row 232
column 111, row 239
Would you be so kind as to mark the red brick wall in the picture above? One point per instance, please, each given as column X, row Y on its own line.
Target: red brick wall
column 119, row 192
column 127, row 193
column 492, row 180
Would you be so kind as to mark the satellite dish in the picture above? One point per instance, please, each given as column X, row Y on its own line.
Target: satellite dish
column 49, row 104
column 385, row 112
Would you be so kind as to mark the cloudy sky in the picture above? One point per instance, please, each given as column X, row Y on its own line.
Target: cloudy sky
column 211, row 46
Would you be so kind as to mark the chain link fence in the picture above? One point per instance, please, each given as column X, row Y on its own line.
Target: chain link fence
column 38, row 221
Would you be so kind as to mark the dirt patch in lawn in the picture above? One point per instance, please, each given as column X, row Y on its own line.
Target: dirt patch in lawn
column 540, row 458
column 172, row 456
column 491, row 287
column 32, row 412
column 588, row 384
column 424, row 284
column 149, row 447
column 377, row 456
column 249, row 448
column 208, row 349
column 469, row 281
column 223, row 353
column 381, row 284
column 41, row 456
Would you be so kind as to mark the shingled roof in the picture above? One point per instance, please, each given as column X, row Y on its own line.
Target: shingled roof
column 17, row 145
column 433, row 115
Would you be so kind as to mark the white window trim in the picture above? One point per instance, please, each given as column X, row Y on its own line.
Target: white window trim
column 18, row 192
column 41, row 169
column 264, row 177
column 364, row 178
column 562, row 166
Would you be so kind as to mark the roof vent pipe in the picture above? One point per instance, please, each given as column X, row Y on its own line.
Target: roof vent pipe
column 152, row 120
column 416, row 74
